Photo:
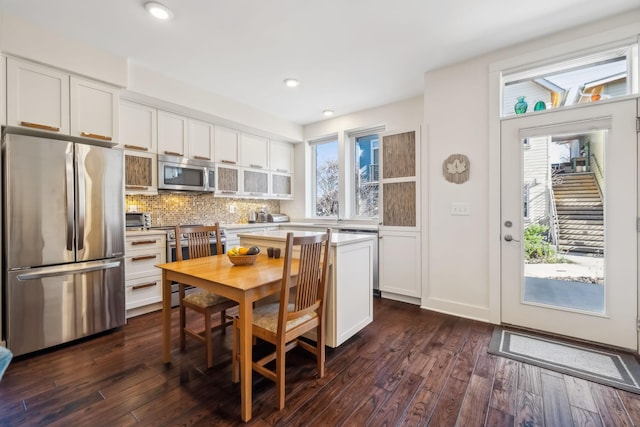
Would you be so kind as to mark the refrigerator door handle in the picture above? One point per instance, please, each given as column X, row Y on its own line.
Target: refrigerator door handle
column 68, row 269
column 81, row 200
column 69, row 196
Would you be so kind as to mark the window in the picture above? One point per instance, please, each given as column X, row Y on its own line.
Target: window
column 326, row 177
column 588, row 79
column 365, row 184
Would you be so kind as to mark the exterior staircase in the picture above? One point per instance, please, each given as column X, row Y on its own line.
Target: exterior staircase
column 580, row 213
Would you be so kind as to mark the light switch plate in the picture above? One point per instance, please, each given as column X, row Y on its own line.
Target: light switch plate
column 460, row 208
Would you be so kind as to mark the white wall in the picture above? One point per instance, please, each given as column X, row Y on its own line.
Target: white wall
column 456, row 113
column 406, row 114
column 462, row 274
column 24, row 39
column 21, row 38
column 224, row 111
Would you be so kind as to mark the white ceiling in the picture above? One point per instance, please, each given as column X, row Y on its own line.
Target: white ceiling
column 349, row 54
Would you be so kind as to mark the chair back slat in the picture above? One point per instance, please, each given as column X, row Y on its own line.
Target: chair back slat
column 197, row 240
column 311, row 279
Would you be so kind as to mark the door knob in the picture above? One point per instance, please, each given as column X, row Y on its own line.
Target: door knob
column 509, row 238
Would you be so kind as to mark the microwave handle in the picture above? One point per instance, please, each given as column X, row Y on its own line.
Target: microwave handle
column 209, row 179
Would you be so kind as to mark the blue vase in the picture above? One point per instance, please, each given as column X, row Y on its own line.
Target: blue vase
column 521, row 106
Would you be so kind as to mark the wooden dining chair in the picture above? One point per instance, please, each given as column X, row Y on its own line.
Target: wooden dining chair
column 198, row 245
column 284, row 322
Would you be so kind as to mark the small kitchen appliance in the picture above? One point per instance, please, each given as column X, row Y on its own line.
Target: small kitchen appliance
column 279, row 217
column 138, row 220
column 262, row 215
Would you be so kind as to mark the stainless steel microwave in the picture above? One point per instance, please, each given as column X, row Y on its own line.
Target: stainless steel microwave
column 180, row 174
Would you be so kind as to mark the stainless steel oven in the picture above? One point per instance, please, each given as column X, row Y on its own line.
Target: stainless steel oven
column 180, row 174
column 171, row 257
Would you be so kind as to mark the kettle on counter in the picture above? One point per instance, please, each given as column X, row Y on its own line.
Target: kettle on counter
column 262, row 215
column 252, row 217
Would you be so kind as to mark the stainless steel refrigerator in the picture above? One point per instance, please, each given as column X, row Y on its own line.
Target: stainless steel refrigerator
column 63, row 241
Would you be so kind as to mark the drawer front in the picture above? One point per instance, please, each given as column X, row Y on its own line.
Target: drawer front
column 143, row 263
column 137, row 243
column 143, row 291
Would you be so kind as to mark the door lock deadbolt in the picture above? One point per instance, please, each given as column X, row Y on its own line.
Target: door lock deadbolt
column 508, row 224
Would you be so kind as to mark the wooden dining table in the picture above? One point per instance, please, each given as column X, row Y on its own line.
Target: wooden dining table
column 245, row 284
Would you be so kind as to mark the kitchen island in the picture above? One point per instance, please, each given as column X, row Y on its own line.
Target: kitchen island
column 349, row 305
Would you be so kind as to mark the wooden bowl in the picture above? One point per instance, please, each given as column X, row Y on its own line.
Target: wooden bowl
column 242, row 259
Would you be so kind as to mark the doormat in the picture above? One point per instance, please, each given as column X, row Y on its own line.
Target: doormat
column 610, row 368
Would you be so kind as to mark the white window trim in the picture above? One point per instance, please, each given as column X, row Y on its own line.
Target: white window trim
column 311, row 187
column 349, row 208
column 591, row 44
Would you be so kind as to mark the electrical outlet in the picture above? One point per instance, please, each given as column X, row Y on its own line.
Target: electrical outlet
column 232, row 208
column 460, row 208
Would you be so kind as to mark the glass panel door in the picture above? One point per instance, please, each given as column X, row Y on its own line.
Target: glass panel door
column 569, row 208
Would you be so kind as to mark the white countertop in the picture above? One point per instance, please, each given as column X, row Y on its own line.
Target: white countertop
column 319, row 225
column 337, row 239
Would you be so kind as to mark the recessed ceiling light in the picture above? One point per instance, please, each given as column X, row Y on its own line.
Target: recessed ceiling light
column 328, row 113
column 291, row 82
column 159, row 11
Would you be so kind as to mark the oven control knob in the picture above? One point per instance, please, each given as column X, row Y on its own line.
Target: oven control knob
column 172, row 235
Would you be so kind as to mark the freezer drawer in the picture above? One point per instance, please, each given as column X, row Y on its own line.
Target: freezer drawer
column 53, row 305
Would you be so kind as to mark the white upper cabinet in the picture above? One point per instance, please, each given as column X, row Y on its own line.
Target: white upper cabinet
column 94, row 110
column 47, row 99
column 172, row 134
column 254, row 151
column 281, row 156
column 201, row 136
column 138, row 127
column 226, row 145
column 37, row 97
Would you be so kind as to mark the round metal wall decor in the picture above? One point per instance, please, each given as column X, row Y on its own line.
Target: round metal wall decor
column 456, row 168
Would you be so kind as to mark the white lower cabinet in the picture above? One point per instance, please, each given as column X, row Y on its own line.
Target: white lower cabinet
column 349, row 304
column 143, row 280
column 400, row 264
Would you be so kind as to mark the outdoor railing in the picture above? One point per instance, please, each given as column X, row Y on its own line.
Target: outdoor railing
column 598, row 173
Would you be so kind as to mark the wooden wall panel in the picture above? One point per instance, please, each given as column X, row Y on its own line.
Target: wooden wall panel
column 399, row 155
column 399, row 204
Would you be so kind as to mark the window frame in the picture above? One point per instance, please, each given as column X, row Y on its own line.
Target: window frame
column 350, row 170
column 552, row 66
column 314, row 176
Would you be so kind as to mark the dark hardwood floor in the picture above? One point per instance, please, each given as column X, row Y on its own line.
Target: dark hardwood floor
column 409, row 367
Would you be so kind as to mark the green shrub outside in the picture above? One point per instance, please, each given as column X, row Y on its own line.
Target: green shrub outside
column 536, row 248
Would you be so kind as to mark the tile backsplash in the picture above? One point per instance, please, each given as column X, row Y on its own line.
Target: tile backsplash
column 174, row 208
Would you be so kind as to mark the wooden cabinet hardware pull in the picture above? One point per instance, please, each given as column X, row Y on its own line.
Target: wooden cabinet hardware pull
column 39, row 126
column 143, row 258
column 136, row 147
column 143, row 242
column 230, row 162
column 96, row 136
column 173, row 153
column 146, row 285
column 136, row 187
column 202, row 158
